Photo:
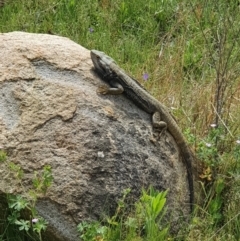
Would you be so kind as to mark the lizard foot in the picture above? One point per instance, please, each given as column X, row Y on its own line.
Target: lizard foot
column 160, row 125
column 102, row 89
column 153, row 140
column 159, row 132
column 162, row 132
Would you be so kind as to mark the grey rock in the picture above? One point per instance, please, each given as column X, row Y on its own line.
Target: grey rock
column 96, row 145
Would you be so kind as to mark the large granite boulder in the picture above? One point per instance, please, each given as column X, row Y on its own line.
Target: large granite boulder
column 96, row 145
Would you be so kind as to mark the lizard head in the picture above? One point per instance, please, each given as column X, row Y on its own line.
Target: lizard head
column 102, row 62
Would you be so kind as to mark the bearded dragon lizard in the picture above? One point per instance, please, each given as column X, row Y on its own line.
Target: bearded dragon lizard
column 120, row 83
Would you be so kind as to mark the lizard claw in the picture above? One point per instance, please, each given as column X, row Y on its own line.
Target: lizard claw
column 162, row 132
column 160, row 128
column 103, row 90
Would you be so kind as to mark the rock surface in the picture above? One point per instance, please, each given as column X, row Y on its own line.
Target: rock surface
column 96, row 145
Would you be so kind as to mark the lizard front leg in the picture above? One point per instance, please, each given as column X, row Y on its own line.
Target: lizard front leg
column 115, row 89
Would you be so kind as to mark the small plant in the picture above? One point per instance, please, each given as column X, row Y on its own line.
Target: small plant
column 149, row 209
column 144, row 223
column 215, row 205
column 208, row 148
column 3, row 156
column 21, row 215
column 32, row 226
column 16, row 170
column 42, row 181
column 92, row 231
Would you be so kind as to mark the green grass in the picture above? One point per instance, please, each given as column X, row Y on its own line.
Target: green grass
column 190, row 49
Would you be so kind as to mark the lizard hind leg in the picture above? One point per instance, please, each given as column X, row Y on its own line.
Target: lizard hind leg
column 158, row 125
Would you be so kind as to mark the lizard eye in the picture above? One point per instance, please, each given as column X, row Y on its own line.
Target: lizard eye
column 101, row 62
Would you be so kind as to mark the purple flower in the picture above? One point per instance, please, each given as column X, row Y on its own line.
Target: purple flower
column 145, row 76
column 91, row 30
